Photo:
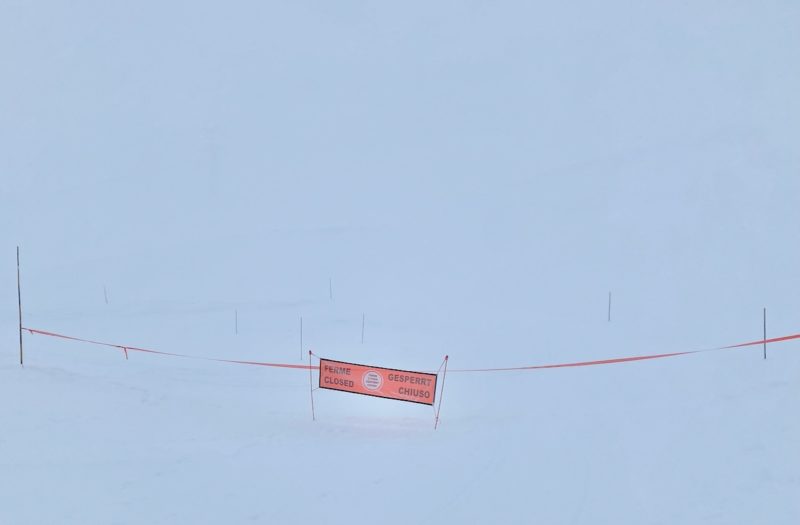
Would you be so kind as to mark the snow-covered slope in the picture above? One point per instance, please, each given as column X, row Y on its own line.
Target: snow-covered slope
column 90, row 438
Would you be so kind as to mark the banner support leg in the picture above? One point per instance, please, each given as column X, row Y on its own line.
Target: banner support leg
column 441, row 393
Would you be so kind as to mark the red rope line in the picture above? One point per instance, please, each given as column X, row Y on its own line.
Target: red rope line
column 761, row 342
column 579, row 363
column 127, row 348
column 632, row 358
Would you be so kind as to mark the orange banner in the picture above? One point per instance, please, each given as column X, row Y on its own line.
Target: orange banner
column 416, row 387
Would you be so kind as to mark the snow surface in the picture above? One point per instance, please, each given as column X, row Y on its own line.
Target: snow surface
column 473, row 178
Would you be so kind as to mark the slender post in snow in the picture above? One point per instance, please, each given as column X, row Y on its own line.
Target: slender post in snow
column 330, row 287
column 765, row 333
column 301, row 339
column 19, row 303
column 105, row 293
column 609, row 307
column 441, row 394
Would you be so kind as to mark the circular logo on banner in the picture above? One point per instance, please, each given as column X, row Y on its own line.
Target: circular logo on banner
column 372, row 380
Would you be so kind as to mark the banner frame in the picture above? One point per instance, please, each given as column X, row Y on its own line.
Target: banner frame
column 435, row 381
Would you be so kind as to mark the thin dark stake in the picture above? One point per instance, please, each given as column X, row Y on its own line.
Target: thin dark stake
column 441, row 394
column 19, row 303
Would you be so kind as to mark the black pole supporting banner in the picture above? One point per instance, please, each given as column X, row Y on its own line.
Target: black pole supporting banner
column 441, row 393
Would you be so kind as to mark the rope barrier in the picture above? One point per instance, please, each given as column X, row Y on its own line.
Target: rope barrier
column 128, row 348
column 632, row 358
